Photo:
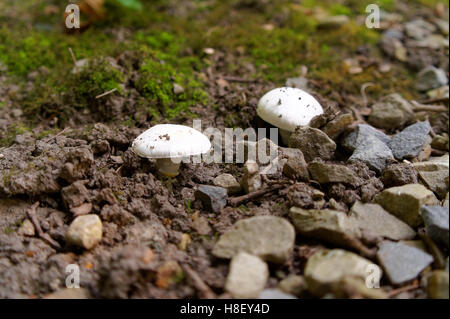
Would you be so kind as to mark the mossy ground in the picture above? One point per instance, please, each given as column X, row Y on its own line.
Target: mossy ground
column 169, row 49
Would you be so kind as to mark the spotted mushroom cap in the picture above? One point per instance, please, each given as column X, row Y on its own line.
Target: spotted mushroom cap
column 287, row 108
column 170, row 141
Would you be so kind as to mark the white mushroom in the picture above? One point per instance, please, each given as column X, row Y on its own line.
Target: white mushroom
column 287, row 108
column 169, row 144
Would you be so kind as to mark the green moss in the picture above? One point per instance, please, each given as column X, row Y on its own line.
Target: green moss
column 7, row 138
column 162, row 66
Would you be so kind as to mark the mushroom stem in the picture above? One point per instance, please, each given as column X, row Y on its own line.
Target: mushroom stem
column 168, row 167
column 285, row 135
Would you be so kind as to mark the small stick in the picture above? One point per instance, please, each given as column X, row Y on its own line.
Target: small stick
column 73, row 57
column 204, row 291
column 59, row 134
column 359, row 246
column 417, row 107
column 235, row 201
column 398, row 291
column 33, row 218
column 106, row 93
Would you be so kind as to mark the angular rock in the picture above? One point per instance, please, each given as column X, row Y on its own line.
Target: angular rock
column 269, row 237
column 333, row 173
column 436, row 181
column 247, row 276
column 326, row 268
column 391, row 112
column 85, row 231
column 275, row 294
column 436, row 223
column 399, row 175
column 362, row 131
column 437, row 285
column 405, row 202
column 411, row 141
column 251, row 180
column 295, row 166
column 433, row 164
column 328, row 225
column 213, row 198
column 402, row 263
column 431, row 78
column 374, row 153
column 228, row 182
column 313, row 143
column 373, row 221
column 334, row 128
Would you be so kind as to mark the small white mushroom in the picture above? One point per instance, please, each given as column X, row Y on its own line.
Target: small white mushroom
column 287, row 108
column 168, row 144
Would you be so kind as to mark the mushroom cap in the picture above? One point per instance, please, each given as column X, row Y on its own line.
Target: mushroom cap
column 170, row 141
column 287, row 108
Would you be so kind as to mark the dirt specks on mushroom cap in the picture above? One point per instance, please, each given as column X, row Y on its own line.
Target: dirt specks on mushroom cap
column 170, row 141
column 287, row 108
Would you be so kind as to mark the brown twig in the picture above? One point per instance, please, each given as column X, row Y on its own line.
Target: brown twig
column 204, row 291
column 235, row 201
column 33, row 218
column 398, row 291
column 58, row 134
column 356, row 244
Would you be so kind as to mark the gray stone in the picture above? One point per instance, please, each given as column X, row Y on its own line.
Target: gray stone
column 85, row 231
column 275, row 294
column 313, row 143
column 374, row 222
column 391, row 112
column 419, row 29
column 431, row 78
column 228, row 182
column 213, row 198
column 333, row 173
column 438, row 285
column 251, row 180
column 402, row 263
column 411, row 141
column 269, row 237
column 327, row 268
column 299, row 83
column 405, row 202
column 437, row 223
column 247, row 276
column 362, row 131
column 177, row 89
column 374, row 153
